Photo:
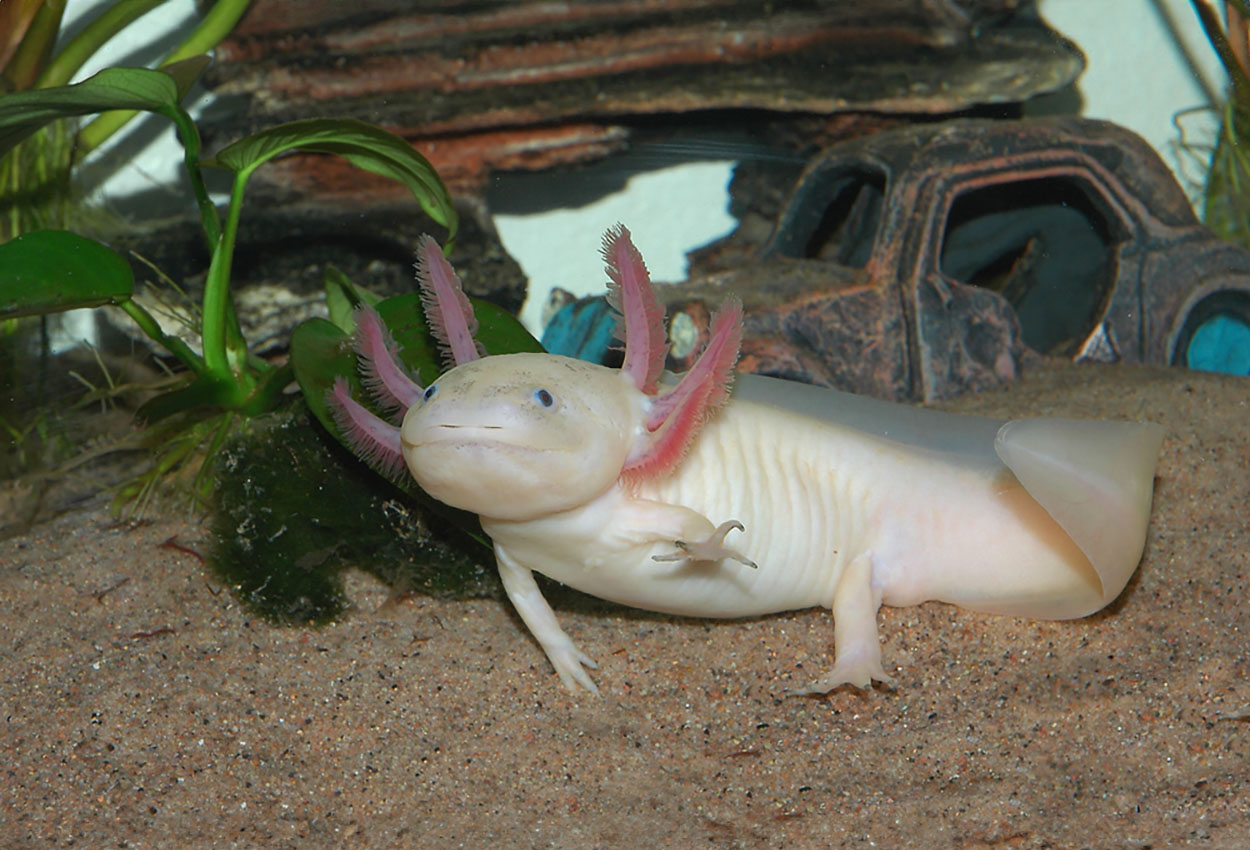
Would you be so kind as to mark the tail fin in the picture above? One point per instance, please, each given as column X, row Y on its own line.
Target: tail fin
column 1096, row 480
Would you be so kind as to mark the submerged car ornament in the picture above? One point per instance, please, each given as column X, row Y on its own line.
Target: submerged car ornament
column 921, row 263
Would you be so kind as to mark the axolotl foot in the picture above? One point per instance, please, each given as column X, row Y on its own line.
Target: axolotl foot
column 711, row 548
column 571, row 663
column 858, row 668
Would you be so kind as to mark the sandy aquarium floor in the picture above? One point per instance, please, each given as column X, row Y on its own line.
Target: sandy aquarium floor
column 141, row 707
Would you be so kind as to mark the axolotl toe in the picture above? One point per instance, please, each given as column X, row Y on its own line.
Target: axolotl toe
column 684, row 497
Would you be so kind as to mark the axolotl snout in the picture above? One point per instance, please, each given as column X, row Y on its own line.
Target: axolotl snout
column 680, row 496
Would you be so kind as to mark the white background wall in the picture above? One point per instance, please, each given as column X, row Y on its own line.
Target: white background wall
column 1148, row 62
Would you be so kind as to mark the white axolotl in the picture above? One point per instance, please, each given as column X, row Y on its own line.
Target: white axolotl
column 660, row 495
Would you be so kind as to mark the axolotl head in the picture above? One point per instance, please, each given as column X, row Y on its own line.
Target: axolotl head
column 519, row 436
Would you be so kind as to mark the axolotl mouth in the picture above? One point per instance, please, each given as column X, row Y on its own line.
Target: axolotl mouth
column 454, row 435
column 498, row 470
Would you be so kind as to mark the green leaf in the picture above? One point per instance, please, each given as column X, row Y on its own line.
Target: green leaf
column 113, row 88
column 343, row 296
column 185, row 72
column 48, row 271
column 365, row 146
column 500, row 332
column 321, row 352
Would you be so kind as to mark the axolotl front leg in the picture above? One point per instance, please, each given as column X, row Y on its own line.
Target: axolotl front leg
column 610, row 537
column 569, row 661
column 622, row 548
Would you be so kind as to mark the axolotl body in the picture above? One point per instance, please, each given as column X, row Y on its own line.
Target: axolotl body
column 682, row 497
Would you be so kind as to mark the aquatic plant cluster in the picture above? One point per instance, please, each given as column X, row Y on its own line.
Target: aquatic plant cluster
column 53, row 270
column 223, row 425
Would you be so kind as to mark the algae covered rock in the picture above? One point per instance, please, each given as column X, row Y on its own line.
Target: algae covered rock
column 292, row 510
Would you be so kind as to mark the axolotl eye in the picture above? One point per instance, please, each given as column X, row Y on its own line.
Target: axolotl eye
column 545, row 398
column 429, row 392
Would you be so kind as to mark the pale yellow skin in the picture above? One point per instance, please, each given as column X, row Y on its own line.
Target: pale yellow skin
column 832, row 515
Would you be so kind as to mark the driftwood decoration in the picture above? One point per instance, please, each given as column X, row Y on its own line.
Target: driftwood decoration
column 513, row 85
column 510, row 85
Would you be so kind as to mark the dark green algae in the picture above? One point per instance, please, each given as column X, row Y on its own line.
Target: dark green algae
column 292, row 510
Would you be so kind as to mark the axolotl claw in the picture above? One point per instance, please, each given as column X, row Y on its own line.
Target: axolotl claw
column 625, row 485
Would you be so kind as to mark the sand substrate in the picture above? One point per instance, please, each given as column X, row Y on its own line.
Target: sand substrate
column 142, row 707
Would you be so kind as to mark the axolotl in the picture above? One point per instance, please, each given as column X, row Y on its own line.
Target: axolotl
column 680, row 496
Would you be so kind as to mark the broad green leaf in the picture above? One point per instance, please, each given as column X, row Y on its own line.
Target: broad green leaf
column 48, row 271
column 405, row 318
column 321, row 352
column 113, row 88
column 343, row 296
column 365, row 146
column 499, row 331
column 185, row 72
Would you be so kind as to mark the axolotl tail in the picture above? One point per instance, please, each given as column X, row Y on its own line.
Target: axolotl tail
column 1096, row 480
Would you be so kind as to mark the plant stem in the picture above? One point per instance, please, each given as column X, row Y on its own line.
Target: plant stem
column 190, row 137
column 236, row 346
column 84, row 45
column 36, row 46
column 214, row 27
column 217, row 311
column 152, row 329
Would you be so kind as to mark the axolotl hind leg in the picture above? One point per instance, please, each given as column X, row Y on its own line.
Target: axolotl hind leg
column 856, row 645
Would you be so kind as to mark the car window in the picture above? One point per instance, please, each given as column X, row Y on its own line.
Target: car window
column 1216, row 335
column 835, row 216
column 1045, row 245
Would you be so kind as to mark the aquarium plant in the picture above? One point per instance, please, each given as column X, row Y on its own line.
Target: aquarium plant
column 36, row 189
column 52, row 270
column 39, row 188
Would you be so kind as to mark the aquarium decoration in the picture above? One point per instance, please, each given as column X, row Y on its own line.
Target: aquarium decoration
column 1220, row 340
column 1058, row 237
